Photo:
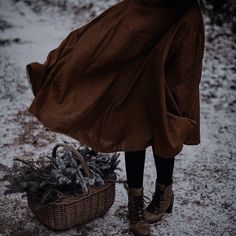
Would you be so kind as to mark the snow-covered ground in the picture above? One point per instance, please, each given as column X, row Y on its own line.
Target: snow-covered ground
column 204, row 175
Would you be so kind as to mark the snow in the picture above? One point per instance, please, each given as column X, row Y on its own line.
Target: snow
column 204, row 175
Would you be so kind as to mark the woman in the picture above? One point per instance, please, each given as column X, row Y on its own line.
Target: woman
column 127, row 80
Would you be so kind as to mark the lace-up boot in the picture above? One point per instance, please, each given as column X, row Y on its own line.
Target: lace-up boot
column 138, row 225
column 162, row 201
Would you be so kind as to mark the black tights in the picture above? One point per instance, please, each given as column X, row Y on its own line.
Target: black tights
column 135, row 161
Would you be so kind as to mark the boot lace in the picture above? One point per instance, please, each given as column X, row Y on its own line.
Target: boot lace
column 137, row 208
column 157, row 197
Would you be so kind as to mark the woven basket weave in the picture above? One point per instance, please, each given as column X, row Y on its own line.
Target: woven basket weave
column 71, row 210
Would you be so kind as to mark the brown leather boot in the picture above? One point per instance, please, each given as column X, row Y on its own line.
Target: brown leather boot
column 138, row 225
column 162, row 201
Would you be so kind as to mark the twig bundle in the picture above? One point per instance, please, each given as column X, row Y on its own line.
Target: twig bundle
column 51, row 177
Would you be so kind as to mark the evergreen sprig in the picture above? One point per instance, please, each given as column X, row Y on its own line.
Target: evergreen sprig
column 49, row 178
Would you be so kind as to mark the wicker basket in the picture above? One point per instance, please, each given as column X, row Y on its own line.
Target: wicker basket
column 71, row 210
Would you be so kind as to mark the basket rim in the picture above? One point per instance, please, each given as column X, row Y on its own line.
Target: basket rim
column 69, row 198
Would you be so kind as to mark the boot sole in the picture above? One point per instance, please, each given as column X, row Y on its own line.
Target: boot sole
column 138, row 234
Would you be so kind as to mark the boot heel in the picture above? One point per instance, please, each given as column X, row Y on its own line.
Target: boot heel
column 169, row 209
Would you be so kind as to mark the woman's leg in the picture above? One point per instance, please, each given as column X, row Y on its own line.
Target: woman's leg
column 134, row 162
column 163, row 197
column 164, row 169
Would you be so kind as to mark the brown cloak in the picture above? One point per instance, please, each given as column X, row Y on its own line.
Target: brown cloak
column 126, row 80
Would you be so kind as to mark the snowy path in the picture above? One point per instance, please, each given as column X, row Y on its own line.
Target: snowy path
column 204, row 175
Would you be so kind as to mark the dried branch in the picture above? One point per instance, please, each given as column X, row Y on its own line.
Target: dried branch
column 51, row 178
